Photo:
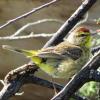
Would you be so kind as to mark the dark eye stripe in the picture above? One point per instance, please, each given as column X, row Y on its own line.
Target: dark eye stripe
column 83, row 35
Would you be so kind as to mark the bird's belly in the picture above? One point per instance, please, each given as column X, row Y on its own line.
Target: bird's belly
column 63, row 69
column 68, row 68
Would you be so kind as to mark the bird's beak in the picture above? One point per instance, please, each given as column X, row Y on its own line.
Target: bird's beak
column 93, row 34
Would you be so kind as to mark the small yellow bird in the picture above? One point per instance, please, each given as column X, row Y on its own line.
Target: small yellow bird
column 64, row 59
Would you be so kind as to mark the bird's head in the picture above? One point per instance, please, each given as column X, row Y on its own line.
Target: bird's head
column 81, row 36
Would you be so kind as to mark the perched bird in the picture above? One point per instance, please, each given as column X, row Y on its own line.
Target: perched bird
column 64, row 59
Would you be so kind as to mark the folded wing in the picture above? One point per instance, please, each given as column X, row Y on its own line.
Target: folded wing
column 61, row 51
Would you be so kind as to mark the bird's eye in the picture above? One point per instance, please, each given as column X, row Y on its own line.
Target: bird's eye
column 83, row 35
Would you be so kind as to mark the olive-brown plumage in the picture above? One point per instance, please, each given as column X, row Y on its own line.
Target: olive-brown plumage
column 65, row 59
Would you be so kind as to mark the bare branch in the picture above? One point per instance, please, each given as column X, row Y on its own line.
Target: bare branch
column 79, row 79
column 95, row 49
column 25, row 75
column 44, row 35
column 70, row 23
column 15, row 84
column 28, row 13
column 35, row 23
column 31, row 35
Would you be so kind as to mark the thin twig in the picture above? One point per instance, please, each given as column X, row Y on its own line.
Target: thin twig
column 31, row 35
column 35, row 23
column 28, row 13
column 43, row 35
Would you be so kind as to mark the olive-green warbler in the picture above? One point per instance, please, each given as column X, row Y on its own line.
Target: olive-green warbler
column 64, row 59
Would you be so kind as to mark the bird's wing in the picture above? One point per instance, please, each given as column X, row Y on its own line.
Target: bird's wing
column 49, row 53
column 61, row 51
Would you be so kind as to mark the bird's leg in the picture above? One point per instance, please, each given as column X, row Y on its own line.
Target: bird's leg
column 55, row 90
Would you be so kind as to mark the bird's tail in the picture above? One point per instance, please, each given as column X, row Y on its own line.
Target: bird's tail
column 28, row 53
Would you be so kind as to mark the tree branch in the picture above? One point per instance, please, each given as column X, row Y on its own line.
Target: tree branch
column 15, row 84
column 35, row 23
column 70, row 23
column 44, row 35
column 95, row 49
column 25, row 75
column 79, row 79
column 27, row 14
column 95, row 75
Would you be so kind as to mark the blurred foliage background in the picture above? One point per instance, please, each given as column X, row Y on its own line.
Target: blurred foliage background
column 10, row 9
